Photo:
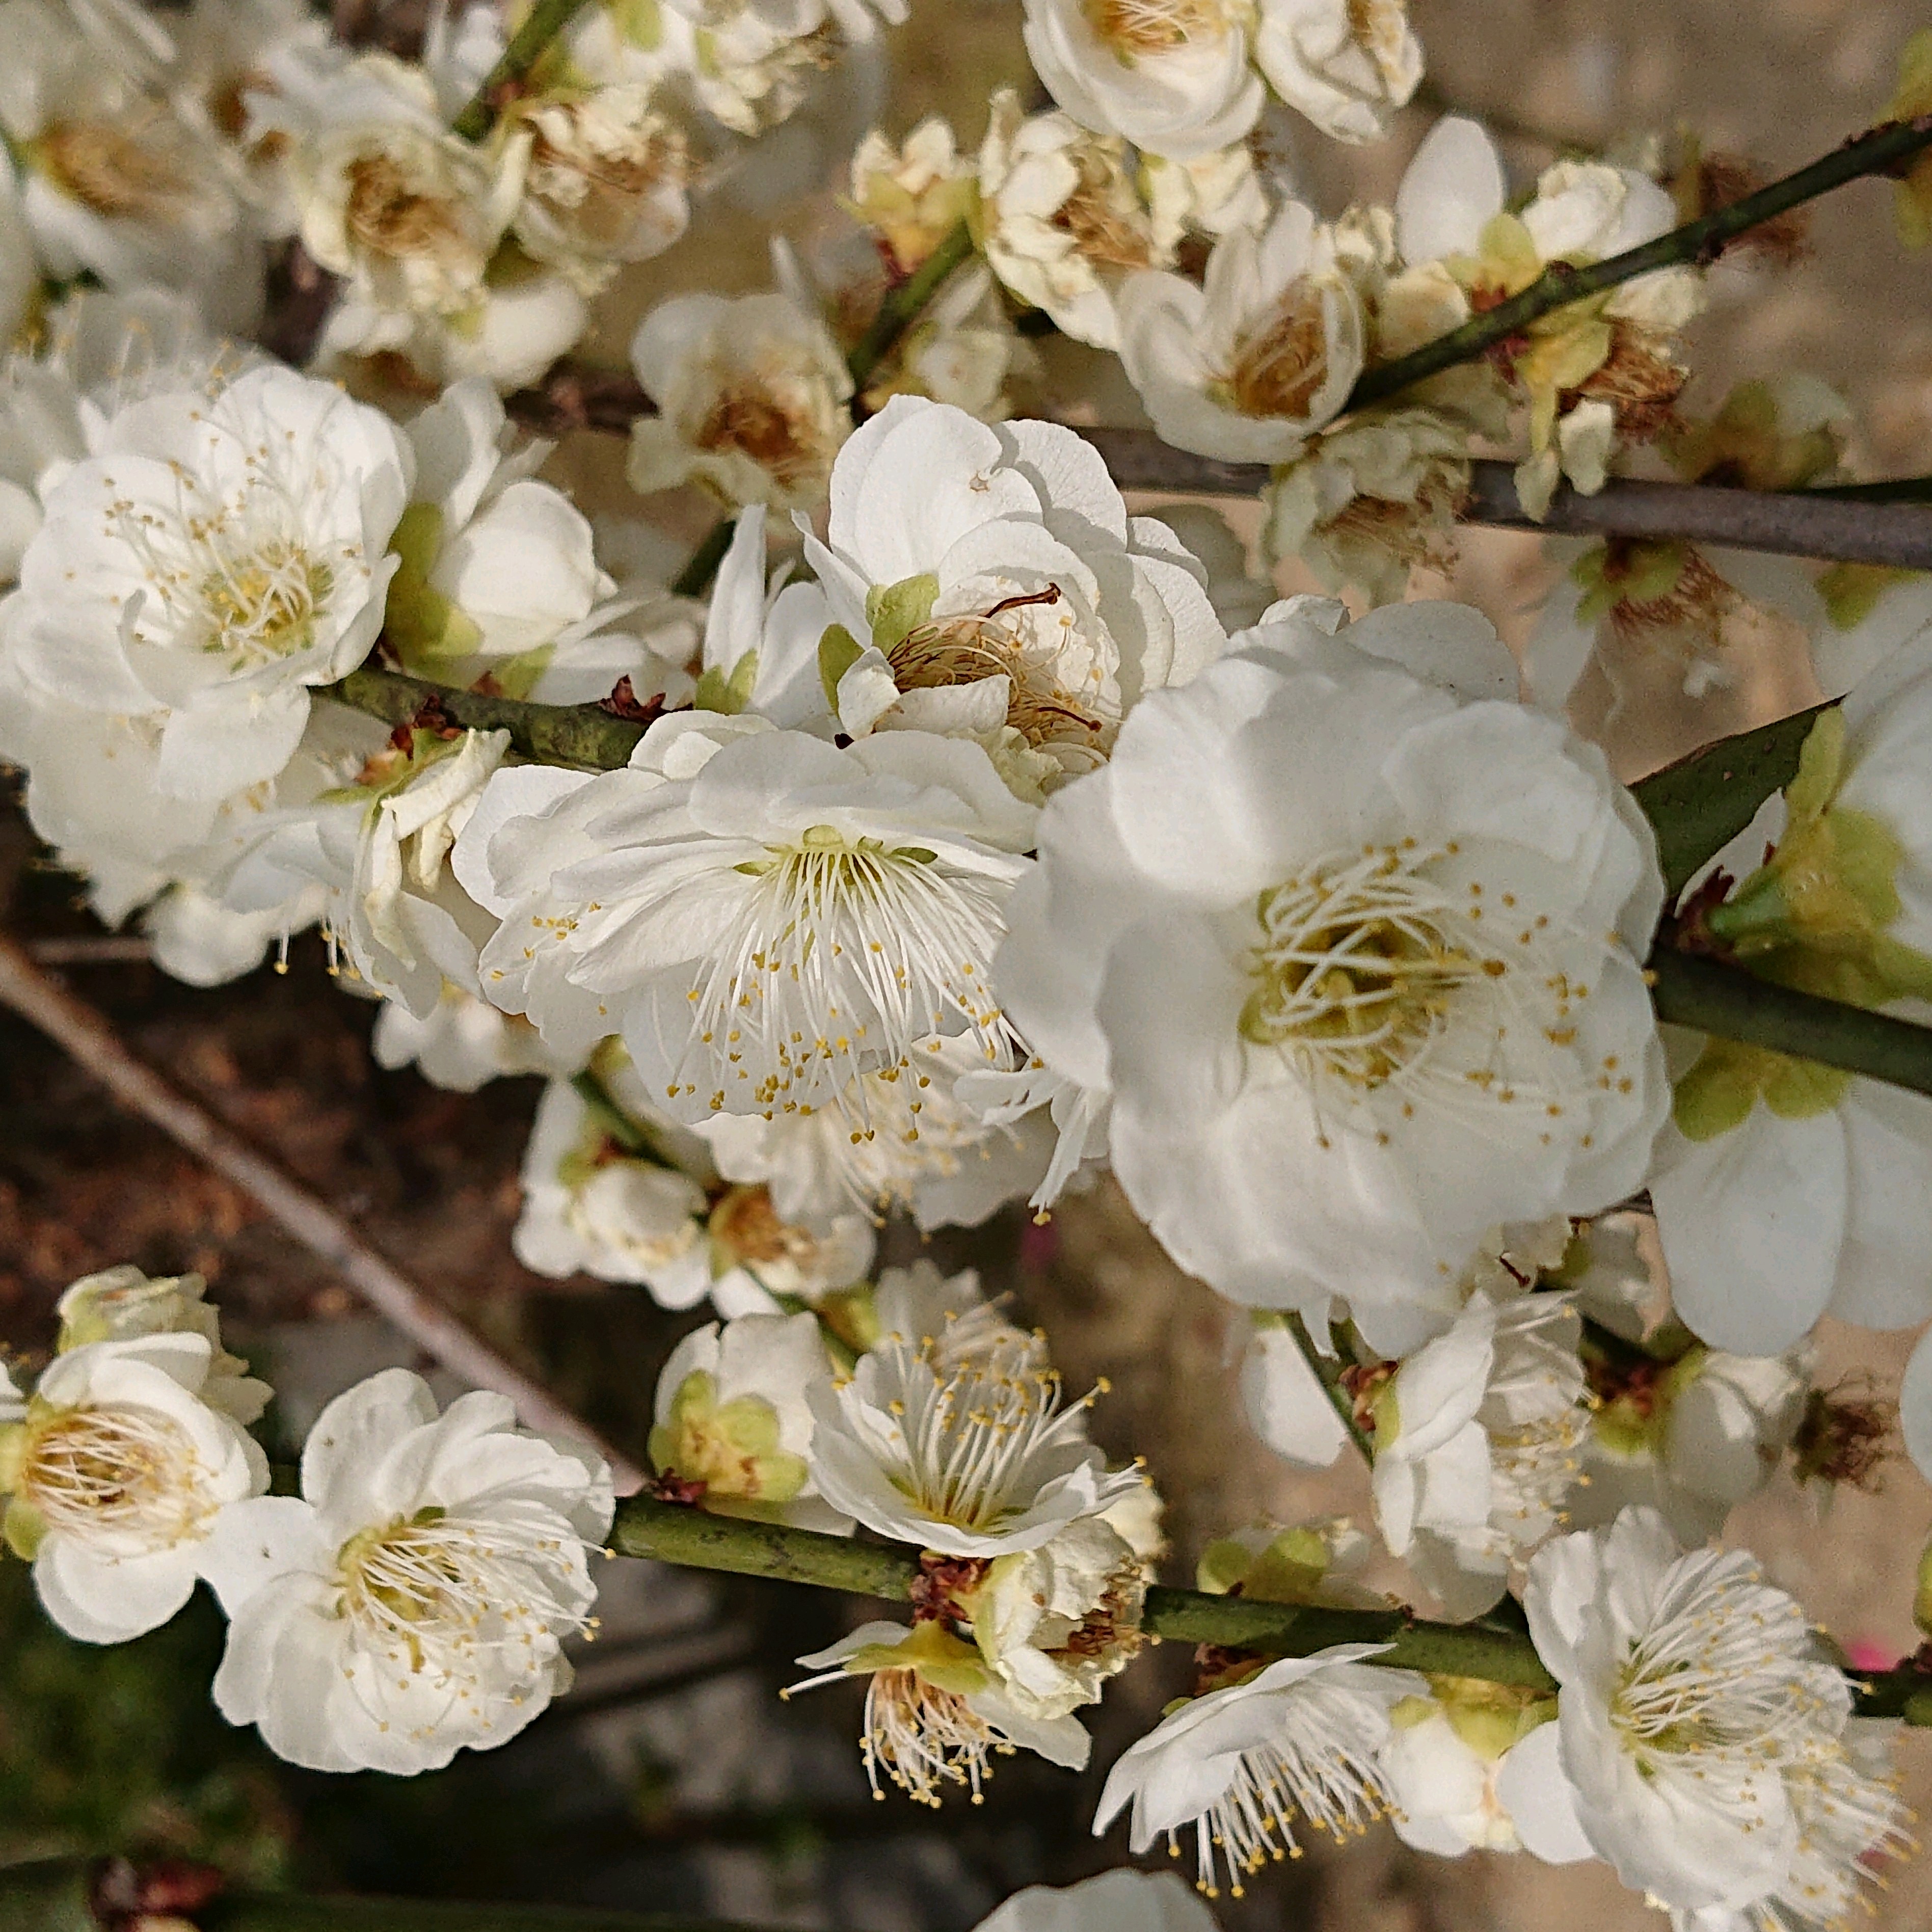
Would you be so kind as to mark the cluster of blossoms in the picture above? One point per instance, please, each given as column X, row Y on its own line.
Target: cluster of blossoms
column 413, row 1598
column 978, row 835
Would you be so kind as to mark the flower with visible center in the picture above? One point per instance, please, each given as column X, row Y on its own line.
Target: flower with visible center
column 1249, row 364
column 214, row 558
column 1298, row 1740
column 414, row 1599
column 733, row 1419
column 935, row 1713
column 1172, row 76
column 988, row 582
column 1053, row 1623
column 1331, row 933
column 976, row 1458
column 115, row 1471
column 766, row 917
column 751, row 392
column 1704, row 1743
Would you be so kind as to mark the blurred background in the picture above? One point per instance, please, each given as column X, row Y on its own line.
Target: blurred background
column 673, row 1777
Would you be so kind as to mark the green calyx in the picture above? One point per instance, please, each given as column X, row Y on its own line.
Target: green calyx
column 930, row 1650
column 1633, row 1422
column 1490, row 1718
column 1851, row 591
column 730, row 693
column 1629, row 573
column 732, row 1447
column 1289, row 1571
column 894, row 609
column 839, row 651
column 426, row 628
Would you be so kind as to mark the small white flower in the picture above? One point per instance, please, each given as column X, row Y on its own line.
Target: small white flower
column 1053, row 1623
column 1347, row 64
column 1171, row 75
column 122, row 1304
column 1331, row 936
column 414, row 1599
column 1478, row 1440
column 605, row 182
column 990, row 583
column 1703, row 1742
column 590, row 1205
column 116, row 1470
column 945, row 1314
column 751, row 393
column 935, row 1714
column 733, row 1416
column 765, row 917
column 1452, row 1773
column 971, row 1458
column 1115, row 1901
column 1248, row 365
column 215, row 558
column 461, row 1045
column 1300, row 1739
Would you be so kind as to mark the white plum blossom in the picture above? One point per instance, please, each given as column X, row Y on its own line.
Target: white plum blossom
column 946, row 1314
column 1454, row 1776
column 1332, row 936
column 1115, row 1901
column 751, row 393
column 1252, row 362
column 589, row 1204
column 414, row 1598
column 1055, row 1622
column 1236, row 1768
column 935, row 1713
column 732, row 1418
column 978, row 1457
column 117, row 1468
column 1477, row 1440
column 764, row 916
column 212, row 560
column 122, row 1304
column 1347, row 64
column 989, row 583
column 1704, row 1743
column 1784, row 1189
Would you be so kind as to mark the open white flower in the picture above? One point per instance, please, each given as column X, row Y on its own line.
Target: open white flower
column 1453, row 1775
column 751, row 392
column 1115, row 1901
column 213, row 560
column 116, row 1470
column 1704, row 1743
column 972, row 1458
column 765, row 917
column 1333, row 937
column 935, row 1714
column 733, row 1417
column 1251, row 363
column 1347, row 64
column 1055, row 1622
column 1478, row 1439
column 414, row 1599
column 1299, row 1739
column 989, row 583
column 1171, row 75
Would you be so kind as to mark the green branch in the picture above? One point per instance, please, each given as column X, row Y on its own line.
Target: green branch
column 1880, row 150
column 903, row 305
column 1727, row 1000
column 584, row 735
column 547, row 19
column 1698, row 806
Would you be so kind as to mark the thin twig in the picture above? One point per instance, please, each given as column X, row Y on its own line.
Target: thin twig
column 92, row 949
column 91, row 1039
column 547, row 19
column 584, row 735
column 1881, row 150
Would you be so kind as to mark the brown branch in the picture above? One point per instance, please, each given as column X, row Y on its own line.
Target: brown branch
column 91, row 1039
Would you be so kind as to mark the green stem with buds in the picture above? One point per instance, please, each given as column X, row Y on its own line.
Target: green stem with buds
column 547, row 19
column 585, row 736
column 1880, row 150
